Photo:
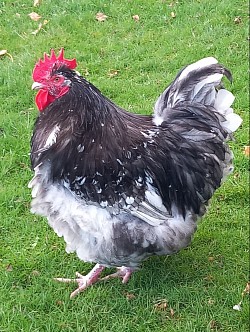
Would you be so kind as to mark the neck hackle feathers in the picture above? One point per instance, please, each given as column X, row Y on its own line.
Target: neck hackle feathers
column 43, row 67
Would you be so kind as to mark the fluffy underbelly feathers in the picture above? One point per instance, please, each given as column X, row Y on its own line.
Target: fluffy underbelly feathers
column 96, row 235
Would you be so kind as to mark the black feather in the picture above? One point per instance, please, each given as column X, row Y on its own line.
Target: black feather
column 121, row 151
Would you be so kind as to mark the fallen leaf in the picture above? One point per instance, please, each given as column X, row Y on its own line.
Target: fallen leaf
column 34, row 16
column 3, row 52
column 161, row 305
column 237, row 307
column 214, row 325
column 210, row 301
column 173, row 15
column 245, row 291
column 38, row 29
column 246, row 151
column 101, row 17
column 59, row 302
column 237, row 20
column 18, row 15
column 209, row 278
column 136, row 18
column 9, row 268
column 40, row 26
column 35, row 273
column 236, row 175
column 171, row 312
column 37, row 3
column 112, row 73
column 130, row 296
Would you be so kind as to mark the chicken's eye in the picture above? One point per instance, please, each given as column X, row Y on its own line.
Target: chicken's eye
column 56, row 79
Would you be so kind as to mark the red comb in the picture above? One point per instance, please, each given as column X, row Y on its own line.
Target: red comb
column 43, row 67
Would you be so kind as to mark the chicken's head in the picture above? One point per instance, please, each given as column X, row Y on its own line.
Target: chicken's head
column 48, row 80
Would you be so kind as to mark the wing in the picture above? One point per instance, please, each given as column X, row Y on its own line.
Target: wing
column 137, row 167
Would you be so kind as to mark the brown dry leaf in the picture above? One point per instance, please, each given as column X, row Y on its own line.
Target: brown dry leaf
column 236, row 175
column 130, row 296
column 210, row 301
column 237, row 20
column 113, row 73
column 34, row 16
column 245, row 292
column 209, row 278
column 35, row 273
column 101, row 17
column 40, row 26
column 173, row 15
column 37, row 3
column 9, row 268
column 214, row 325
column 38, row 29
column 247, row 150
column 136, row 18
column 171, row 312
column 161, row 305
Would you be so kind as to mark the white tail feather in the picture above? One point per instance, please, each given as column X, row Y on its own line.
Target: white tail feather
column 232, row 123
column 224, row 99
column 197, row 83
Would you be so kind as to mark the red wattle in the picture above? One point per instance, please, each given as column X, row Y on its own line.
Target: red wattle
column 43, row 99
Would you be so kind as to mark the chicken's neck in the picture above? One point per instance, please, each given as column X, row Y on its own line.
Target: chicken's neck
column 91, row 113
column 84, row 121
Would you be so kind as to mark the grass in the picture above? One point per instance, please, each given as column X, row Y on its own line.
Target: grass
column 202, row 283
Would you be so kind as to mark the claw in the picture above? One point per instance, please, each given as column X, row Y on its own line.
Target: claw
column 123, row 272
column 94, row 276
column 84, row 281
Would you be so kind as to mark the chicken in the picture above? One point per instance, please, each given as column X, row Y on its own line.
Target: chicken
column 120, row 187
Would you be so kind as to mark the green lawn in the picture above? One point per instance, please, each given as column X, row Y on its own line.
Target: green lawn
column 131, row 62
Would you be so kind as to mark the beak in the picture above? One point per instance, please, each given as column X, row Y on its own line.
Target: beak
column 37, row 86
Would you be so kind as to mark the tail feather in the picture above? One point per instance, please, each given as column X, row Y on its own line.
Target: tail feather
column 224, row 99
column 199, row 83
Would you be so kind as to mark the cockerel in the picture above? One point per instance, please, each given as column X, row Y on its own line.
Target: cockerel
column 120, row 187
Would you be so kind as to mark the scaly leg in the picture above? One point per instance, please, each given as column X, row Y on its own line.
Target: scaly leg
column 122, row 272
column 84, row 281
column 94, row 276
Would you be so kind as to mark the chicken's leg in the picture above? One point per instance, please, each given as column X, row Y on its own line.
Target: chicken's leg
column 84, row 281
column 94, row 276
column 122, row 272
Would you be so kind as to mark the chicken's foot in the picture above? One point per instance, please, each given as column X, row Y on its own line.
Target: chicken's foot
column 94, row 276
column 84, row 281
column 122, row 272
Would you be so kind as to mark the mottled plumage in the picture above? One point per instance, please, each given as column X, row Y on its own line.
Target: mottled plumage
column 120, row 186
